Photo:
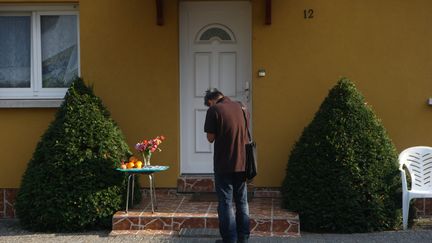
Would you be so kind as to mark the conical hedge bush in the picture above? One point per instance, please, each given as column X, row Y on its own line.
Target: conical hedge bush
column 70, row 183
column 342, row 174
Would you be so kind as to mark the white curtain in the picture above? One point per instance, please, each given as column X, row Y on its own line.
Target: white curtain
column 15, row 51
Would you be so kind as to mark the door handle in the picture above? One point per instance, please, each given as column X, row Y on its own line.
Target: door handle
column 244, row 93
column 247, row 91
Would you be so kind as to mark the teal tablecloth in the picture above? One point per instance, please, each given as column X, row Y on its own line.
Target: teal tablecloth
column 146, row 169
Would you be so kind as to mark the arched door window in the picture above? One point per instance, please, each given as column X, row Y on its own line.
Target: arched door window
column 213, row 32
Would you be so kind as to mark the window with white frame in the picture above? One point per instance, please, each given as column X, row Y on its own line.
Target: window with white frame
column 39, row 51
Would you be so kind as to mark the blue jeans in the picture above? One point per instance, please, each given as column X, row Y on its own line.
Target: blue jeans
column 229, row 186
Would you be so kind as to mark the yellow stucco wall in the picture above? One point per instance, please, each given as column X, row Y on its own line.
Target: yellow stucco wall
column 134, row 66
column 384, row 46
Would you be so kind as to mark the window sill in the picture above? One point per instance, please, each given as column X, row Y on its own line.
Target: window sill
column 29, row 103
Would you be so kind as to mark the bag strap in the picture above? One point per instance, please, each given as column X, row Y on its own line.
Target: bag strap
column 245, row 119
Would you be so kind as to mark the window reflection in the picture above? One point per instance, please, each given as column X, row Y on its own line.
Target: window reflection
column 59, row 50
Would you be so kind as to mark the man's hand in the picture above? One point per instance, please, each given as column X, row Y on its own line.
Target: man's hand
column 210, row 137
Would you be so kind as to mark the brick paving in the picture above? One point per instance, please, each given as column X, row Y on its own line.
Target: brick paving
column 11, row 232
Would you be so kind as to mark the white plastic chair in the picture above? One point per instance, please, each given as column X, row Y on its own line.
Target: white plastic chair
column 418, row 161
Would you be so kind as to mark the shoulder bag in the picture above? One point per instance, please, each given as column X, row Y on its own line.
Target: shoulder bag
column 251, row 159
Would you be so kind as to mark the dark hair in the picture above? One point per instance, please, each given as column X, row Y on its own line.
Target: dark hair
column 211, row 94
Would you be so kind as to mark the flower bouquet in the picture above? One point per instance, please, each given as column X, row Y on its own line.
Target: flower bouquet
column 148, row 147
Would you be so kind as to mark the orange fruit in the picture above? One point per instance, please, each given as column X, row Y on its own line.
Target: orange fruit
column 138, row 164
column 123, row 166
column 130, row 165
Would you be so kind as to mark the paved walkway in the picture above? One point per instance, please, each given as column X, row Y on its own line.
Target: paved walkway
column 11, row 232
column 186, row 211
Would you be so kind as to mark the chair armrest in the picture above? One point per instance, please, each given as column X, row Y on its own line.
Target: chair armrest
column 404, row 180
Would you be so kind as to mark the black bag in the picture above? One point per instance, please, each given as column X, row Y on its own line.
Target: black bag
column 251, row 166
column 251, row 158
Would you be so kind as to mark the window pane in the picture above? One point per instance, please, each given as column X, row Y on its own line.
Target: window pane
column 59, row 50
column 14, row 51
column 215, row 32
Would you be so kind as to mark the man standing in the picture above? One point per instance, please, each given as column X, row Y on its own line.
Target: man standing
column 225, row 125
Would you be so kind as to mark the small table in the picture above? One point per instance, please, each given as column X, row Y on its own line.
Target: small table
column 147, row 170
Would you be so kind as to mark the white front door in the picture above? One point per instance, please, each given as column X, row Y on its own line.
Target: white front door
column 215, row 52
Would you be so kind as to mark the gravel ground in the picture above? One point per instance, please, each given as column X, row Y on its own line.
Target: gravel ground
column 11, row 232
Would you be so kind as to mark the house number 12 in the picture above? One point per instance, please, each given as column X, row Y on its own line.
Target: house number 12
column 308, row 13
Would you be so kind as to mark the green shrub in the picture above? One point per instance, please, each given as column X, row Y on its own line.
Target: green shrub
column 342, row 174
column 70, row 183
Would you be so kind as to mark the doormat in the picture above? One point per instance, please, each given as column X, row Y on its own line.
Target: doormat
column 211, row 197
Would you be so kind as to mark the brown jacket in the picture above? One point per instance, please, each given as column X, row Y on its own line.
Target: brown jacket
column 225, row 119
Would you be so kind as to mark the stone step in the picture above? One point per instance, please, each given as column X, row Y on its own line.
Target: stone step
column 158, row 233
column 422, row 223
column 180, row 212
column 195, row 183
column 199, row 183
